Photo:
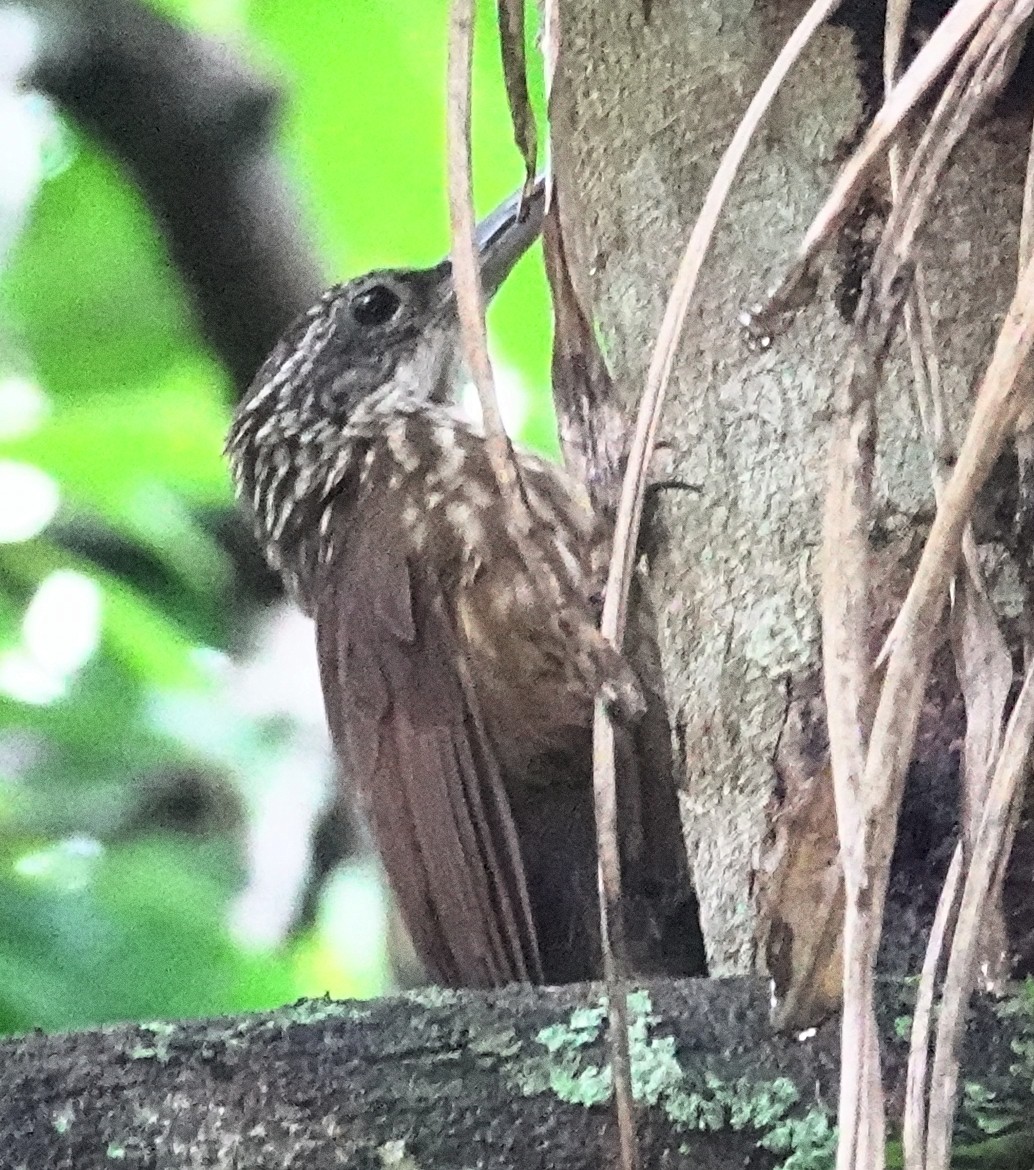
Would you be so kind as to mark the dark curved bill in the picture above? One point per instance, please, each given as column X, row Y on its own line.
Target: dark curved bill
column 505, row 234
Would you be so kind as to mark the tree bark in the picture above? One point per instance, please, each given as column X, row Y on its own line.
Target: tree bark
column 645, row 99
column 437, row 1079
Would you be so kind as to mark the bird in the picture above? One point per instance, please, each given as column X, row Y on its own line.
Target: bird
column 458, row 699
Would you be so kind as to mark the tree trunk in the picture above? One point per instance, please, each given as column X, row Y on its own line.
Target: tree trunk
column 645, row 99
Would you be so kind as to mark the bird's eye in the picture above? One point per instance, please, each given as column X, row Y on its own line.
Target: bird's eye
column 375, row 305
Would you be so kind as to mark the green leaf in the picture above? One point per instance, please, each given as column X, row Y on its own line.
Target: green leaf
column 107, row 449
column 90, row 289
column 145, row 938
column 137, row 633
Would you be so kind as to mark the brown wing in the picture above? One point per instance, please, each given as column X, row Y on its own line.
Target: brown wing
column 408, row 733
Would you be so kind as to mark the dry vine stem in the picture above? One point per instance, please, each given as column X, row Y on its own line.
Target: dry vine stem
column 469, row 297
column 929, row 400
column 914, row 1121
column 470, row 308
column 889, row 122
column 990, row 851
column 975, row 79
column 997, row 406
column 471, row 313
column 846, row 672
column 515, row 74
column 989, row 843
column 869, row 771
column 848, row 679
column 985, row 684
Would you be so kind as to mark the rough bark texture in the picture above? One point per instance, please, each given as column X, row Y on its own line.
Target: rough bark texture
column 430, row 1079
column 642, row 110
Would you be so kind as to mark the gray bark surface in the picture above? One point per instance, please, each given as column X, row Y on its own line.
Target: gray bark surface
column 642, row 111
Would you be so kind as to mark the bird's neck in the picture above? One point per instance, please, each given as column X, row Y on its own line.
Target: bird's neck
column 313, row 479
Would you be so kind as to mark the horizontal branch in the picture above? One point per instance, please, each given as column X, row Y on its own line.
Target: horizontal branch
column 193, row 125
column 442, row 1079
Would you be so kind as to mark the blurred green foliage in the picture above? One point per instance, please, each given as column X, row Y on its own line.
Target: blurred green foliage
column 106, row 389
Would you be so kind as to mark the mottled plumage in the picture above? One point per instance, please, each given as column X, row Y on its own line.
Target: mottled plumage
column 450, row 682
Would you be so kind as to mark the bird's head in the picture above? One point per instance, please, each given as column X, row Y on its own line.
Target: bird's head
column 369, row 348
